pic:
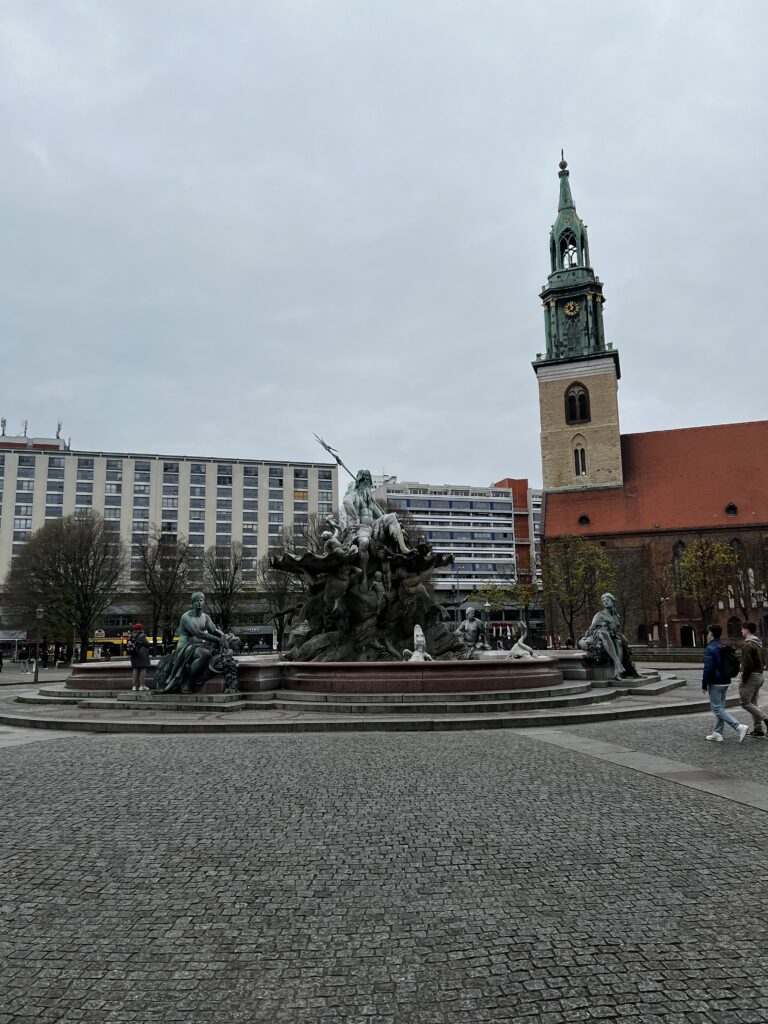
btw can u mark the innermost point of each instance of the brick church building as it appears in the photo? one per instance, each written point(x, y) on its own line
point(641, 497)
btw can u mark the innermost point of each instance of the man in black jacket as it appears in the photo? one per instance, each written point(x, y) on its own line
point(716, 685)
point(138, 649)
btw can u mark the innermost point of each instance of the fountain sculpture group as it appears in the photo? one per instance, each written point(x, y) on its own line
point(368, 589)
point(368, 598)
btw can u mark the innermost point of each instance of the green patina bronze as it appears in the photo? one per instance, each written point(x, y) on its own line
point(573, 296)
point(367, 588)
point(202, 651)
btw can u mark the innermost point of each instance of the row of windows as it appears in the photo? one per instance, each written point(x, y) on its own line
point(84, 464)
point(439, 535)
point(114, 486)
point(479, 567)
point(449, 503)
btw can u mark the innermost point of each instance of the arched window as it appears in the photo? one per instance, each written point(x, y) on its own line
point(579, 460)
point(553, 255)
point(734, 627)
point(687, 636)
point(569, 256)
point(577, 404)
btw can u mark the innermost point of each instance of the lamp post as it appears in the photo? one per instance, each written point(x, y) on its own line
point(487, 607)
point(664, 601)
point(39, 612)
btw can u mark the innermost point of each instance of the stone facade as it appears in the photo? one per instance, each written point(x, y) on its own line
point(598, 436)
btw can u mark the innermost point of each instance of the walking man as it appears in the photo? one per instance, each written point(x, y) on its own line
point(716, 683)
point(752, 665)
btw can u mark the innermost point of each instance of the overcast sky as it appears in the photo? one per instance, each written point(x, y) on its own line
point(228, 224)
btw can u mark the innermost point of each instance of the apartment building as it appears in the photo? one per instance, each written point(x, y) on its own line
point(210, 501)
point(490, 531)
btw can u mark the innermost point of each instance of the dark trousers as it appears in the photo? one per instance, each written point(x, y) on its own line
point(749, 690)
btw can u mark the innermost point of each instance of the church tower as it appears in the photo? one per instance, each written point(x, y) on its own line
point(578, 375)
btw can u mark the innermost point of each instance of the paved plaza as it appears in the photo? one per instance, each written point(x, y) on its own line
point(610, 872)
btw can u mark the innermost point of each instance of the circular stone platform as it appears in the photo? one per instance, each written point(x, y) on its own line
point(420, 676)
point(374, 677)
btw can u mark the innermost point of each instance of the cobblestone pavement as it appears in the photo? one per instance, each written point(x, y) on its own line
point(683, 738)
point(373, 879)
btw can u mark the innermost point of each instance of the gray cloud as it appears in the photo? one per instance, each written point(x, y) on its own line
point(225, 226)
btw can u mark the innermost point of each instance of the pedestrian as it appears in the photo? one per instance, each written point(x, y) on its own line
point(138, 650)
point(1, 659)
point(715, 683)
point(752, 666)
point(24, 660)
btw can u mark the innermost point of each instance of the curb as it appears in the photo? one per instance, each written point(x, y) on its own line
point(466, 722)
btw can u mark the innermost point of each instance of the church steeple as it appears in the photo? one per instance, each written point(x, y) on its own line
point(573, 296)
point(566, 199)
point(578, 374)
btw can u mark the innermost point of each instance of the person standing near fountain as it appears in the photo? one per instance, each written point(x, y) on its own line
point(138, 650)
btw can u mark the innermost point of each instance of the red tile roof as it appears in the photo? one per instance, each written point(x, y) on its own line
point(674, 480)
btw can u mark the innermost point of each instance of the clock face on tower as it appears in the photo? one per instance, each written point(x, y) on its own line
point(572, 308)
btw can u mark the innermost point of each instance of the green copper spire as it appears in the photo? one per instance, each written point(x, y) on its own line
point(573, 296)
point(566, 199)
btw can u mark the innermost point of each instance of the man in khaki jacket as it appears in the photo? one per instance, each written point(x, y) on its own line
point(752, 666)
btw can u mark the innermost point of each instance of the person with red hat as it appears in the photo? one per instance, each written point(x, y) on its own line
point(138, 650)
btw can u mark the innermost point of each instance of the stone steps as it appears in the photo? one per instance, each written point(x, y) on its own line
point(62, 695)
point(566, 689)
point(656, 686)
point(443, 706)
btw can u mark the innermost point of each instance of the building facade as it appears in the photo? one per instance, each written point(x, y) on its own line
point(208, 501)
point(641, 497)
point(490, 531)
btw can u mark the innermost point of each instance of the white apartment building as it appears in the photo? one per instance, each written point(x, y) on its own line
point(210, 501)
point(488, 530)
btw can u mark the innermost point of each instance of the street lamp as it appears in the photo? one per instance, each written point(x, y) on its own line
point(39, 612)
point(487, 607)
point(664, 601)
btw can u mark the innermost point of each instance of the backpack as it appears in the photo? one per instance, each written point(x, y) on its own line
point(730, 665)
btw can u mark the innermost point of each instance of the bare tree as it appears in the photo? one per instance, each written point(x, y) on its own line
point(282, 592)
point(659, 585)
point(574, 572)
point(748, 582)
point(628, 586)
point(224, 581)
point(164, 575)
point(71, 568)
point(707, 567)
point(309, 536)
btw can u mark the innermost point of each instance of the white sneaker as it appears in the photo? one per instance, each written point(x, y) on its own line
point(134, 687)
point(714, 736)
point(144, 688)
point(743, 730)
